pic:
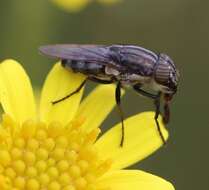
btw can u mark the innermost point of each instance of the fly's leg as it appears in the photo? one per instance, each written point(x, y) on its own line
point(156, 98)
point(81, 86)
point(71, 94)
point(101, 81)
point(157, 112)
point(138, 89)
point(118, 102)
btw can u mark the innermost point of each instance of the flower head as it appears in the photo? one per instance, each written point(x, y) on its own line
point(56, 147)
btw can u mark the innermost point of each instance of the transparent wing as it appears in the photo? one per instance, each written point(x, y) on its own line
point(88, 53)
point(124, 58)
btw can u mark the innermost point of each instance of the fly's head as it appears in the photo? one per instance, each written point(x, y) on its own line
point(167, 76)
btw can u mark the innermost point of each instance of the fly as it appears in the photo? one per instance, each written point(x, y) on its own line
point(125, 65)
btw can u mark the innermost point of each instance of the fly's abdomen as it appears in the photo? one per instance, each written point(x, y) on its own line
point(84, 67)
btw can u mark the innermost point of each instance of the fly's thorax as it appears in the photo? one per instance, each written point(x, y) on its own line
point(165, 74)
point(111, 71)
point(127, 79)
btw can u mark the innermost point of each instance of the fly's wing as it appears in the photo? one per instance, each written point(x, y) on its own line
point(86, 53)
point(124, 58)
point(136, 59)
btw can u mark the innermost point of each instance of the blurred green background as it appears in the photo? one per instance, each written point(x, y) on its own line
point(179, 28)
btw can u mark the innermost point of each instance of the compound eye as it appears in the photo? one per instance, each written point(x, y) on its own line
point(173, 78)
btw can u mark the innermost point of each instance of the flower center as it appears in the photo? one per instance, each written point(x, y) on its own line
point(36, 156)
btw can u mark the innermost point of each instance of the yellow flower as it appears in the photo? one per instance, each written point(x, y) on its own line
point(77, 5)
point(56, 147)
point(72, 5)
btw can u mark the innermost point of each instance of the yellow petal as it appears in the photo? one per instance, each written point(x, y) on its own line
point(16, 94)
point(59, 83)
point(72, 5)
point(134, 180)
point(97, 106)
point(141, 139)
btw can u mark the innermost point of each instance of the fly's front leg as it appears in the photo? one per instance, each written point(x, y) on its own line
point(118, 102)
point(138, 89)
point(157, 112)
point(72, 93)
point(156, 98)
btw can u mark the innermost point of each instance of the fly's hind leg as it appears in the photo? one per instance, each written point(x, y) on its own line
point(101, 81)
point(71, 94)
point(81, 86)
